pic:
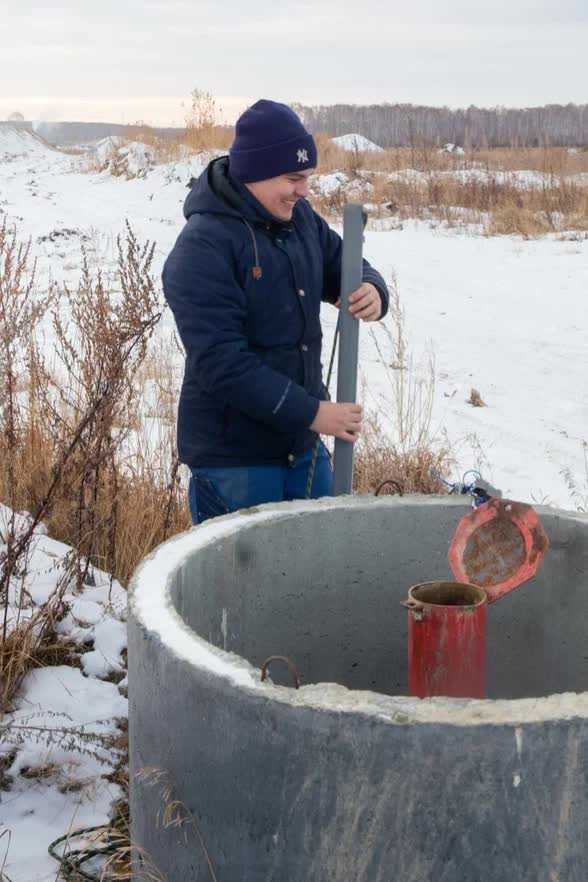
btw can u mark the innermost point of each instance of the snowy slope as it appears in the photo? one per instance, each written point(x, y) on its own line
point(17, 143)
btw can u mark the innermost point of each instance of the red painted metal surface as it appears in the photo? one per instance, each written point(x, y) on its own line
point(446, 640)
point(498, 546)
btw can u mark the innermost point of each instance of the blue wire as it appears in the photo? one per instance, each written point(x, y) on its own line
point(464, 488)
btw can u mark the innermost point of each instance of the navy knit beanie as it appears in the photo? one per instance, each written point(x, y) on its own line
point(270, 140)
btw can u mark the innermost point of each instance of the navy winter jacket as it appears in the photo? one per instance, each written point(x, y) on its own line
point(245, 290)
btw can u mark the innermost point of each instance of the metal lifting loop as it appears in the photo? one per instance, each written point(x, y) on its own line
point(292, 667)
point(396, 484)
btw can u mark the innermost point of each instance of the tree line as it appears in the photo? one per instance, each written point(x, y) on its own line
point(404, 125)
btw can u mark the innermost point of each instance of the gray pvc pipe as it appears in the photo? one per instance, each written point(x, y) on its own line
point(351, 275)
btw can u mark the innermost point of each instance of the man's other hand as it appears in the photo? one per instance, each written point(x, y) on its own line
point(343, 420)
point(365, 303)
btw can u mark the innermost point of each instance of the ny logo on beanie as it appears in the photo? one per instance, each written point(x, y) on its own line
point(302, 156)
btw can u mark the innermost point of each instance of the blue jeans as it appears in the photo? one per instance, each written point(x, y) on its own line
point(221, 489)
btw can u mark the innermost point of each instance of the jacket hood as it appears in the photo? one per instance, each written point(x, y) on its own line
point(215, 192)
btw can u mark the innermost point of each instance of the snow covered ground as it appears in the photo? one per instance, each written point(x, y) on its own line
point(55, 748)
point(503, 315)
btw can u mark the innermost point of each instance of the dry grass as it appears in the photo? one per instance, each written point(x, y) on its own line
point(379, 459)
point(202, 129)
point(175, 815)
point(28, 643)
point(71, 446)
point(115, 843)
point(408, 456)
point(165, 148)
point(476, 399)
point(478, 187)
point(498, 204)
point(70, 450)
point(557, 162)
point(191, 140)
point(5, 835)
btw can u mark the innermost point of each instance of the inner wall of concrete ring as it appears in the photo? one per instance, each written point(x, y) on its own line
point(277, 791)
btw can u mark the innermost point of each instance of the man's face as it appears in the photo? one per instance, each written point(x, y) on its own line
point(280, 195)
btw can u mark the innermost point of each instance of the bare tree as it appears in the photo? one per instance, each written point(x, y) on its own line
point(405, 125)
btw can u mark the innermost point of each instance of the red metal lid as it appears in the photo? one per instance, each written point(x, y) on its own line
point(498, 546)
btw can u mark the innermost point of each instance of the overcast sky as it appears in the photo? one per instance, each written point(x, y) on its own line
point(124, 60)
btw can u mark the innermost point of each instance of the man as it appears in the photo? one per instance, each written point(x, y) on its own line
point(245, 281)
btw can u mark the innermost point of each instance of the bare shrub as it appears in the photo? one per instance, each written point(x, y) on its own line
point(408, 454)
point(414, 470)
point(476, 399)
point(203, 131)
point(21, 311)
point(70, 445)
point(78, 415)
point(100, 345)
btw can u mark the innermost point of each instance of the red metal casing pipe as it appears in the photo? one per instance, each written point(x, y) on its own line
point(447, 640)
